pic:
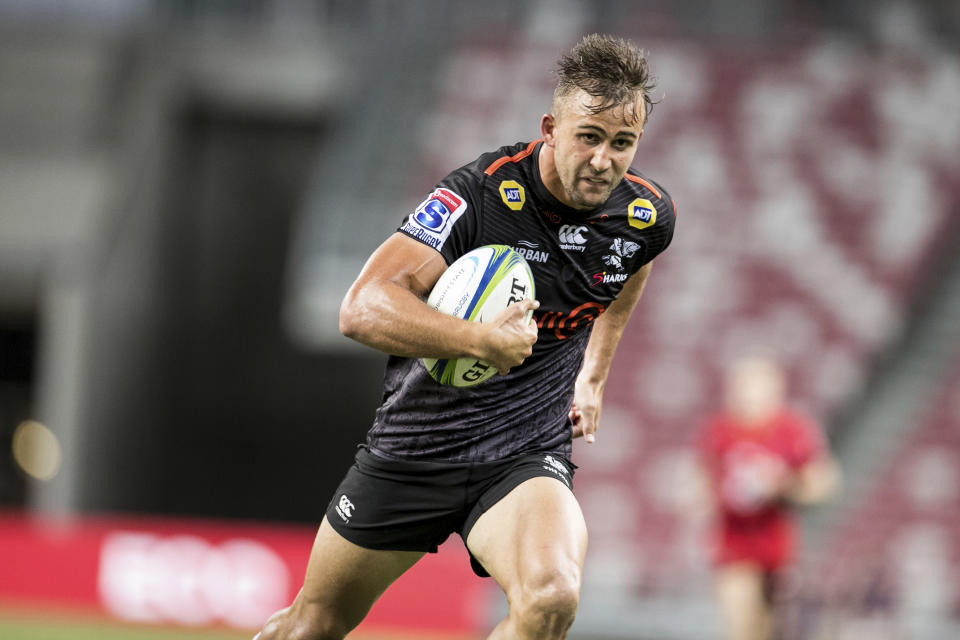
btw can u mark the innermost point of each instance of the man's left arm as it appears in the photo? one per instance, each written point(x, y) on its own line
point(607, 329)
point(814, 482)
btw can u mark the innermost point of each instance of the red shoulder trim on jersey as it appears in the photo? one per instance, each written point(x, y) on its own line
point(639, 180)
point(517, 157)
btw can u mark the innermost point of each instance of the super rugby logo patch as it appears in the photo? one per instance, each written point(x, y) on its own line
point(433, 219)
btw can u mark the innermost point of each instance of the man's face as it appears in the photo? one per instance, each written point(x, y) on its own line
point(755, 389)
point(591, 151)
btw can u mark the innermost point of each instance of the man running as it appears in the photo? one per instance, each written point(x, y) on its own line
point(492, 462)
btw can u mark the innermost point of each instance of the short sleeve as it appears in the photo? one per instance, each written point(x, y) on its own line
point(670, 219)
point(807, 442)
point(447, 219)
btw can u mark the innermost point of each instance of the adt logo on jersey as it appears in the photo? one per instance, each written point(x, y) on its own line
point(641, 213)
point(512, 194)
point(435, 210)
point(572, 238)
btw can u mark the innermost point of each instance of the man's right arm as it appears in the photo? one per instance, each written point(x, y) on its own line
point(385, 309)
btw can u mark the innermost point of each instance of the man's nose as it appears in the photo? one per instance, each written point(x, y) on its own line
point(600, 161)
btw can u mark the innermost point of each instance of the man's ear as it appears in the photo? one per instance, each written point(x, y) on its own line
point(548, 129)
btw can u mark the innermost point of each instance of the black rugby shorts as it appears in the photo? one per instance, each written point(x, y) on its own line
point(407, 505)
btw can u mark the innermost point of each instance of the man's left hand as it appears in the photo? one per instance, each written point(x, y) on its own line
point(585, 411)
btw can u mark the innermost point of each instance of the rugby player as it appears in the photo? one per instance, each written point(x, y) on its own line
point(761, 459)
point(492, 462)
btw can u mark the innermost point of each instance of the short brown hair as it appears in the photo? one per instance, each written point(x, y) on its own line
point(608, 68)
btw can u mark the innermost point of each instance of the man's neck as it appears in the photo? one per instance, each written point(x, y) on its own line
point(549, 175)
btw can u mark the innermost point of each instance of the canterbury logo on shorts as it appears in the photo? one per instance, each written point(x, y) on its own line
point(345, 508)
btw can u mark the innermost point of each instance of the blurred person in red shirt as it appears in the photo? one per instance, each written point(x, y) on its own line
point(761, 459)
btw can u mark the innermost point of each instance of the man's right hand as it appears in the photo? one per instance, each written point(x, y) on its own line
point(509, 336)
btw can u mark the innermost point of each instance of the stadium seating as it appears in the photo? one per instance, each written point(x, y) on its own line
point(905, 535)
point(810, 209)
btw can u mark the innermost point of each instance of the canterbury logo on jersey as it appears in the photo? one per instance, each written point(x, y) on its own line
point(572, 237)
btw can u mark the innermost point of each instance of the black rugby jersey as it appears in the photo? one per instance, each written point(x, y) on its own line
point(579, 259)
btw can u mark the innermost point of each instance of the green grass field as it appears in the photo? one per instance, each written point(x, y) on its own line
point(35, 626)
point(16, 627)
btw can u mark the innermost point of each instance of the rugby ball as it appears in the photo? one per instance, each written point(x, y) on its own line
point(476, 287)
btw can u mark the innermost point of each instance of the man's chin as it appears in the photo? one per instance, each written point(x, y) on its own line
point(583, 200)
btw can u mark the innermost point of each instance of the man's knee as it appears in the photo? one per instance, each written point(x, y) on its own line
point(289, 624)
point(548, 603)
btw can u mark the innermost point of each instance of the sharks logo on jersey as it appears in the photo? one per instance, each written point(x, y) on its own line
point(621, 250)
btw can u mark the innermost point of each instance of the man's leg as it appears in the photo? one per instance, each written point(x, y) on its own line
point(342, 583)
point(746, 612)
point(532, 542)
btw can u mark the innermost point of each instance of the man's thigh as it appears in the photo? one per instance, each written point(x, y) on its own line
point(529, 535)
point(343, 580)
point(740, 591)
point(398, 505)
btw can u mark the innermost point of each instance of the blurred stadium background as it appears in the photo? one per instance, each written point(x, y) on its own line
point(188, 187)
